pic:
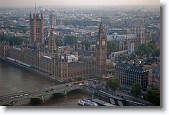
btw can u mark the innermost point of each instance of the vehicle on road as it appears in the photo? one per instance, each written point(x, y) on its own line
point(11, 98)
point(81, 84)
point(20, 95)
point(68, 85)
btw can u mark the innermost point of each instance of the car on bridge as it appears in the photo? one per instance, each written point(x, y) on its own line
point(81, 84)
point(11, 97)
point(68, 85)
point(20, 95)
point(16, 96)
point(78, 82)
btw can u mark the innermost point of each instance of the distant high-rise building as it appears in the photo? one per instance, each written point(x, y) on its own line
point(101, 51)
point(52, 20)
point(36, 28)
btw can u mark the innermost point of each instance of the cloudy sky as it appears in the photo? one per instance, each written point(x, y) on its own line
point(28, 3)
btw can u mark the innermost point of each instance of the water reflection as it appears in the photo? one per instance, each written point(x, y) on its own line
point(14, 79)
point(69, 101)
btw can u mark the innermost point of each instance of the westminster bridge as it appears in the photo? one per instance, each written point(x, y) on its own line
point(38, 95)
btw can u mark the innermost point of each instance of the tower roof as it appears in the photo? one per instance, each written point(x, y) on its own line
point(35, 7)
point(101, 29)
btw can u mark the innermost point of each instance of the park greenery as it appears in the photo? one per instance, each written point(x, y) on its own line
point(99, 78)
point(153, 96)
point(86, 43)
point(113, 83)
point(79, 78)
point(70, 40)
point(123, 57)
point(136, 89)
point(111, 47)
point(58, 41)
point(12, 40)
point(149, 49)
point(82, 23)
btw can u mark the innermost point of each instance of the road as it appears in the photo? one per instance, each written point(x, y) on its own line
point(27, 94)
point(97, 86)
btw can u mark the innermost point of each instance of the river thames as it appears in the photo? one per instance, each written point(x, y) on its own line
point(15, 79)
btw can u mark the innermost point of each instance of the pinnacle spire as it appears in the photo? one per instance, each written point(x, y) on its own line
point(35, 7)
point(101, 29)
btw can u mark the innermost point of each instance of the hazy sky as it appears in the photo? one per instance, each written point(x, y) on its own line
point(28, 3)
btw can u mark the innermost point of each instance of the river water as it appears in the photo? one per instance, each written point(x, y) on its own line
point(15, 79)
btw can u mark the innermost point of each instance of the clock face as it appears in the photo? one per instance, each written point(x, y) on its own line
point(97, 42)
point(103, 43)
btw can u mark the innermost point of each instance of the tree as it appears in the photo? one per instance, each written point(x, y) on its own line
point(136, 89)
point(132, 56)
point(2, 37)
point(153, 96)
point(58, 41)
point(142, 50)
point(82, 23)
point(70, 40)
point(152, 45)
point(12, 39)
point(79, 78)
point(99, 78)
point(86, 43)
point(111, 47)
point(113, 83)
point(156, 52)
point(123, 57)
point(148, 49)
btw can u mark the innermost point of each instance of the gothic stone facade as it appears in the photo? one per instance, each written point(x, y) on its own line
point(55, 64)
point(36, 28)
point(56, 68)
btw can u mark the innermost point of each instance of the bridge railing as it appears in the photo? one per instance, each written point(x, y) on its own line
point(38, 92)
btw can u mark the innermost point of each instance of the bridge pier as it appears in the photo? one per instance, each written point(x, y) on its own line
point(39, 97)
point(65, 93)
point(42, 98)
point(12, 103)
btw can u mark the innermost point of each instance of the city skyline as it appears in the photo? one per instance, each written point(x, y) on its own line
point(71, 46)
point(19, 3)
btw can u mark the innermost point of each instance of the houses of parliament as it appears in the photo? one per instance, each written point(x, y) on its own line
point(52, 61)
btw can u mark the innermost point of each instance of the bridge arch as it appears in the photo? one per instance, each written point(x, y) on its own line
point(36, 100)
point(7, 105)
point(56, 95)
point(80, 90)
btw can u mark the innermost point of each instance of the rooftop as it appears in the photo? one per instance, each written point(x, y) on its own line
point(118, 37)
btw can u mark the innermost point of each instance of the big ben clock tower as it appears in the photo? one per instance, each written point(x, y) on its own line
point(101, 51)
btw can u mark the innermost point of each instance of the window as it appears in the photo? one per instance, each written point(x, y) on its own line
point(37, 30)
